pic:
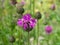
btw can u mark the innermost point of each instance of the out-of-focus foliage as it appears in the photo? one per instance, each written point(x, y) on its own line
point(9, 16)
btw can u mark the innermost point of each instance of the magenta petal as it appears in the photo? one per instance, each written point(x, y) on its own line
point(23, 2)
point(32, 25)
point(48, 29)
point(20, 22)
point(33, 20)
point(27, 17)
point(25, 26)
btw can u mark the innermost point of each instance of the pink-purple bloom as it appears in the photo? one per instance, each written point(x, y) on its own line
point(22, 3)
point(53, 6)
point(13, 2)
point(27, 22)
point(48, 29)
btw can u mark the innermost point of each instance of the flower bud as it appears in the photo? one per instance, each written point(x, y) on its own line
point(20, 10)
point(41, 2)
point(12, 39)
point(48, 29)
point(38, 15)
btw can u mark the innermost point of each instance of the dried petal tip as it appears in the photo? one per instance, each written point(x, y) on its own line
point(48, 29)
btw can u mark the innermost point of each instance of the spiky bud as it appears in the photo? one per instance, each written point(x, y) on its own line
point(38, 15)
point(12, 39)
point(20, 10)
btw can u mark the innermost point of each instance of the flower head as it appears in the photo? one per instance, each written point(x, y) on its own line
point(53, 6)
point(48, 29)
point(20, 4)
point(20, 22)
point(23, 2)
point(13, 2)
point(27, 22)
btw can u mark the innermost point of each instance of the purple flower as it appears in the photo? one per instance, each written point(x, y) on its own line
point(48, 29)
point(25, 26)
point(53, 6)
point(13, 2)
point(27, 17)
point(22, 2)
point(20, 22)
point(27, 22)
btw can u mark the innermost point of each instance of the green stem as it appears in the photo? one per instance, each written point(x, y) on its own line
point(30, 6)
point(11, 43)
point(19, 42)
point(34, 14)
point(48, 40)
point(33, 7)
point(37, 31)
point(19, 38)
point(28, 38)
point(37, 34)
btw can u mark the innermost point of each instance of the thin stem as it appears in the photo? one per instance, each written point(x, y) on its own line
point(33, 7)
point(11, 43)
point(19, 38)
point(48, 40)
point(19, 42)
point(38, 31)
point(37, 34)
point(30, 6)
point(28, 38)
point(34, 14)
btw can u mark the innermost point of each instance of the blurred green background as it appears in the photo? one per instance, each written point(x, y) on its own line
point(9, 28)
